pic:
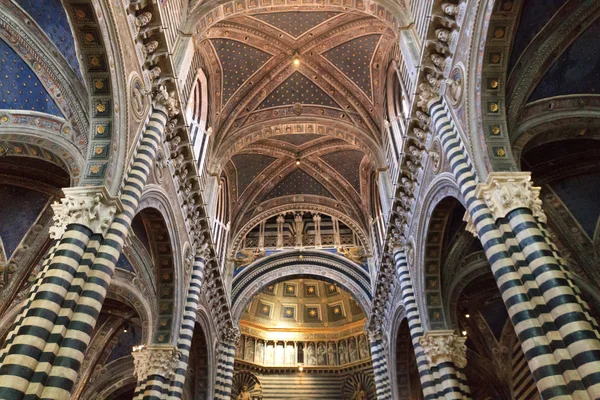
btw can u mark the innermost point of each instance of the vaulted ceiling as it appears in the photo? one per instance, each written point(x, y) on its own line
point(297, 93)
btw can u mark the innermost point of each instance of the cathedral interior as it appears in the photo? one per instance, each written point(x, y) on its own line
point(299, 199)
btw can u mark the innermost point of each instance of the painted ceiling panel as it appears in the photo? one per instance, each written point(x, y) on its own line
point(295, 23)
point(19, 209)
point(239, 62)
point(495, 315)
point(577, 70)
point(20, 88)
point(248, 167)
point(534, 16)
point(347, 163)
point(298, 182)
point(298, 89)
point(50, 15)
point(581, 195)
point(353, 58)
point(298, 139)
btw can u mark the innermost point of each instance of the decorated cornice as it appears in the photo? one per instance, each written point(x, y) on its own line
point(150, 39)
point(433, 82)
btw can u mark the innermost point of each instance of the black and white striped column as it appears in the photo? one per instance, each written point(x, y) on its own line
point(186, 333)
point(549, 378)
point(225, 361)
point(381, 372)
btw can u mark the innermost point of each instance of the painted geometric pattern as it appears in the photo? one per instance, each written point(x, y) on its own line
point(298, 89)
point(347, 163)
point(20, 88)
point(353, 58)
point(298, 182)
point(51, 17)
point(298, 139)
point(295, 23)
point(248, 167)
point(239, 62)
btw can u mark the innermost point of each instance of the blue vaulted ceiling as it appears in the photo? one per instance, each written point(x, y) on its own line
point(50, 15)
point(298, 182)
point(20, 88)
point(298, 89)
point(576, 71)
point(296, 23)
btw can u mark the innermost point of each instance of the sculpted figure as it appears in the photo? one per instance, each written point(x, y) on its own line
point(343, 353)
point(449, 9)
point(321, 354)
point(443, 35)
point(352, 350)
point(244, 394)
point(359, 394)
point(363, 347)
point(142, 20)
point(331, 354)
point(150, 48)
point(249, 350)
point(310, 354)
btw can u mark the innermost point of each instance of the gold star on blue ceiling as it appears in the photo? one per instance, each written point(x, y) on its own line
point(20, 88)
point(239, 62)
point(353, 58)
point(297, 23)
point(298, 89)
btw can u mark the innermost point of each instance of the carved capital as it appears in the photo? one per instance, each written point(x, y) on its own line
point(93, 207)
point(444, 346)
point(160, 360)
point(506, 191)
point(231, 335)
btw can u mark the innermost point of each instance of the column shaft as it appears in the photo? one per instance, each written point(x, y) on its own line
point(568, 315)
point(540, 358)
point(32, 292)
point(380, 367)
point(225, 361)
point(186, 333)
point(429, 384)
point(78, 335)
point(28, 344)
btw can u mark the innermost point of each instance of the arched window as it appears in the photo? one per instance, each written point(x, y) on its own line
point(396, 110)
point(197, 117)
point(220, 227)
point(377, 223)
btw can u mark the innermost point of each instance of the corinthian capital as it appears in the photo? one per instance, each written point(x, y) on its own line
point(506, 191)
point(231, 335)
point(444, 346)
point(93, 207)
point(160, 360)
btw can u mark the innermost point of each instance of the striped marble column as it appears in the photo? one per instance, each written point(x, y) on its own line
point(27, 345)
point(511, 196)
point(77, 337)
point(549, 378)
point(380, 364)
point(186, 332)
point(431, 391)
point(446, 352)
point(32, 292)
point(224, 366)
point(154, 367)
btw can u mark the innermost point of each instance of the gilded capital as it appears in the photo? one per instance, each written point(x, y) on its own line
point(506, 191)
point(93, 207)
point(160, 360)
point(444, 346)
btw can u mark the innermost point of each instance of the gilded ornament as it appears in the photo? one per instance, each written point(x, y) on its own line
point(101, 107)
point(100, 129)
point(95, 169)
point(495, 130)
point(494, 107)
point(4, 118)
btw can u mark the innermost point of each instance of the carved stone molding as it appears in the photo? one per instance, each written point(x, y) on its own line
point(444, 346)
point(506, 191)
point(93, 207)
point(155, 360)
